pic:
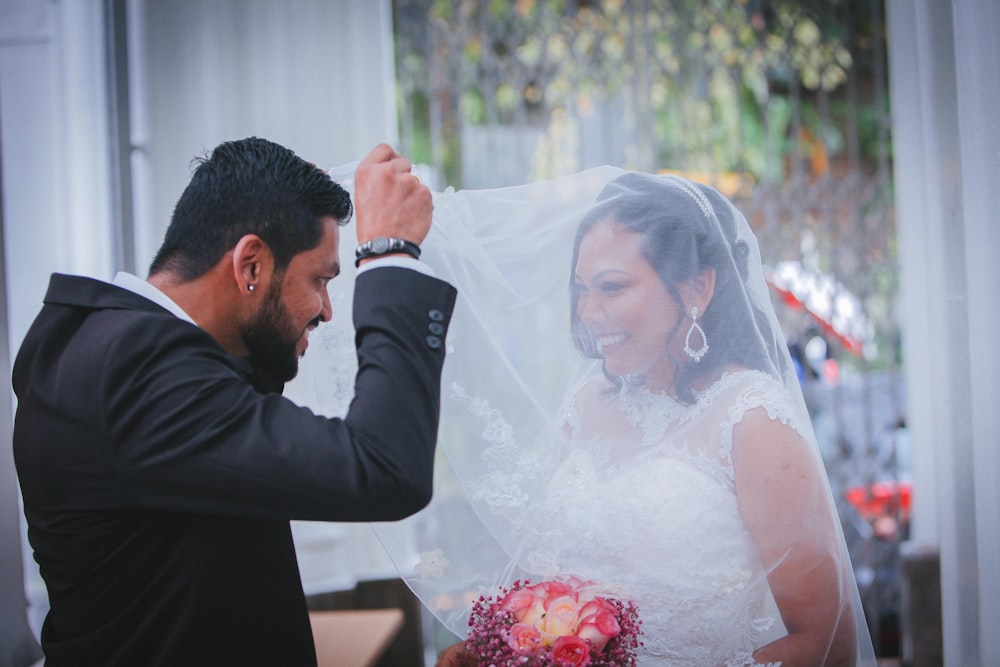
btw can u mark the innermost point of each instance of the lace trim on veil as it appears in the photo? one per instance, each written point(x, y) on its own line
point(509, 466)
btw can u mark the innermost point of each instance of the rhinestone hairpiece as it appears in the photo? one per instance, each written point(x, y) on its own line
point(697, 195)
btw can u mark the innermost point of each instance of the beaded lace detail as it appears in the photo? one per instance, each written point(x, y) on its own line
point(652, 414)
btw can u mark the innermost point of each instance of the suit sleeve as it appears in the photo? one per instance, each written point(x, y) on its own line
point(189, 433)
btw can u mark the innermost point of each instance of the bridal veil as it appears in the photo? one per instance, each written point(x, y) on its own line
point(702, 498)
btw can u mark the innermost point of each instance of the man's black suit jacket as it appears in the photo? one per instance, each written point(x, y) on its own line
point(159, 476)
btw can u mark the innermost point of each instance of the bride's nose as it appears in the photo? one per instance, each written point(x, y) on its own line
point(589, 309)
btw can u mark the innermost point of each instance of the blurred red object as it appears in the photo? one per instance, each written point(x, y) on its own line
point(838, 311)
point(880, 499)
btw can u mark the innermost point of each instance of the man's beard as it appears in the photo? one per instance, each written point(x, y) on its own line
point(271, 337)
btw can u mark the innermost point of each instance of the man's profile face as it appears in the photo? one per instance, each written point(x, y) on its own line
point(294, 303)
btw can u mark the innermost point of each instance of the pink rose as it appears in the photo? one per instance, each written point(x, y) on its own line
point(524, 605)
point(557, 589)
point(571, 651)
point(517, 600)
point(598, 628)
point(597, 604)
point(524, 637)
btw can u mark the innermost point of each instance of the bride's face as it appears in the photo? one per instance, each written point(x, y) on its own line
point(624, 304)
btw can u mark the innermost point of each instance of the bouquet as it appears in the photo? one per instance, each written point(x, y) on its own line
point(553, 623)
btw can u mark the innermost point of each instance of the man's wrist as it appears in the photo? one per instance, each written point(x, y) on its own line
point(383, 245)
point(399, 261)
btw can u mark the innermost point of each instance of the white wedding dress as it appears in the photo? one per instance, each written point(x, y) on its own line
point(656, 516)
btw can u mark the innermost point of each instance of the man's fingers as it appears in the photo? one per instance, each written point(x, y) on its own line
point(390, 199)
point(401, 164)
point(381, 153)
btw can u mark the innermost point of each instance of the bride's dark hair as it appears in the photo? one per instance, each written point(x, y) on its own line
point(680, 239)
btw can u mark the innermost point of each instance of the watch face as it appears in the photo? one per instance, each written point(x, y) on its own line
point(380, 245)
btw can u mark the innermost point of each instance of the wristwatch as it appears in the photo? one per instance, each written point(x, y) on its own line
point(383, 245)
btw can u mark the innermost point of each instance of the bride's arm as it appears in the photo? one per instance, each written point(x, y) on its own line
point(784, 500)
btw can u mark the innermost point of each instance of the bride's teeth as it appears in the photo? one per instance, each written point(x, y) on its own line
point(611, 339)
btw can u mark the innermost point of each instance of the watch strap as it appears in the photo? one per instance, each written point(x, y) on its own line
point(385, 245)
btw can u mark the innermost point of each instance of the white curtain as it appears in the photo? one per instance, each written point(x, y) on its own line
point(55, 184)
point(945, 94)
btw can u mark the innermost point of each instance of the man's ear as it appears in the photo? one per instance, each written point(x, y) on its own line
point(252, 261)
point(698, 291)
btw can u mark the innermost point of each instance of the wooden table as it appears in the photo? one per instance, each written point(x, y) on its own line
point(354, 638)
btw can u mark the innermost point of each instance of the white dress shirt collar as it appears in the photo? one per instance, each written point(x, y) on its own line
point(146, 290)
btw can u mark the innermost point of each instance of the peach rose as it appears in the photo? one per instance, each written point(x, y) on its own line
point(524, 637)
point(561, 616)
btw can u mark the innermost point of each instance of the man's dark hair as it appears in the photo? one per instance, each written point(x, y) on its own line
point(250, 186)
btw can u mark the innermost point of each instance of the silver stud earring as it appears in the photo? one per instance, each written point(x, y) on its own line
point(696, 355)
point(250, 288)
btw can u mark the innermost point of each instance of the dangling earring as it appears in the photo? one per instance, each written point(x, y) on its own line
point(696, 355)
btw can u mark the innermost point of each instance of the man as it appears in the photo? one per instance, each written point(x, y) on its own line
point(159, 463)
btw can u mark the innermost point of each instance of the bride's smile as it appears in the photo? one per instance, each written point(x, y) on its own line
point(607, 343)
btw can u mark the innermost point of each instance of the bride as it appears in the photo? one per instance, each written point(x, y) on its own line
point(619, 405)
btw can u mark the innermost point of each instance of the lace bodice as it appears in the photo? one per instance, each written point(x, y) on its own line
point(656, 517)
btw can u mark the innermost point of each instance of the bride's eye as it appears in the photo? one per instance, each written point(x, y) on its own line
point(610, 287)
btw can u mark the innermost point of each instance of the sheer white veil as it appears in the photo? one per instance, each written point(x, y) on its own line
point(518, 360)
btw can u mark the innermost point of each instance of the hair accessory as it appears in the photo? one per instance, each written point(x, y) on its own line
point(696, 355)
point(383, 246)
point(696, 194)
